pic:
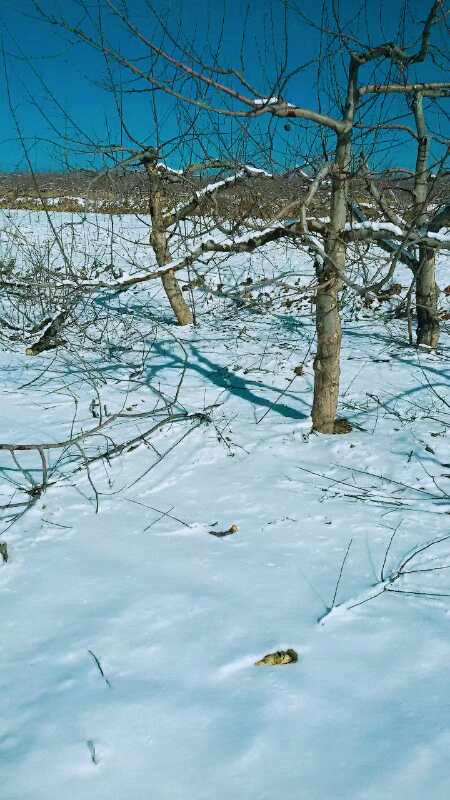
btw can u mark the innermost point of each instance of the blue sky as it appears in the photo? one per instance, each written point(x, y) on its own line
point(49, 71)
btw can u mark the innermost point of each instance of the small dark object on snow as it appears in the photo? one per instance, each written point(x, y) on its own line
point(91, 747)
point(220, 534)
point(342, 426)
point(35, 491)
point(4, 551)
point(289, 656)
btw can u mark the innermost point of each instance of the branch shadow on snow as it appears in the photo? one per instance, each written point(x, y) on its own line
point(235, 384)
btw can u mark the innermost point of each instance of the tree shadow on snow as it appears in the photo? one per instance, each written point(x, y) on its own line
point(235, 384)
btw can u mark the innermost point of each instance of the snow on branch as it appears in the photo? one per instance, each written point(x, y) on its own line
point(386, 227)
point(162, 167)
point(265, 101)
point(370, 230)
point(181, 211)
point(391, 246)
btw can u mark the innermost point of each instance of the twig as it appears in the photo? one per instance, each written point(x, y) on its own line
point(159, 511)
point(100, 669)
point(366, 600)
point(387, 550)
point(340, 573)
point(91, 747)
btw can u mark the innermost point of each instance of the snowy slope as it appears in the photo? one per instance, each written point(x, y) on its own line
point(176, 617)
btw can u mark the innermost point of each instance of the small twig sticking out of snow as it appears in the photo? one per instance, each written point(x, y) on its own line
point(386, 584)
point(91, 747)
point(387, 550)
point(4, 552)
point(159, 511)
point(329, 609)
point(88, 473)
point(418, 550)
point(369, 597)
point(100, 668)
point(340, 573)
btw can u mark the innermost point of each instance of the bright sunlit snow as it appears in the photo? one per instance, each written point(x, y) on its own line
point(129, 636)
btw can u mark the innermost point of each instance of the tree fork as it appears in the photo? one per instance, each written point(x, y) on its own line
point(158, 239)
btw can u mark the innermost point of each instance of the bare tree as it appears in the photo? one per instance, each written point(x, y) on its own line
point(425, 273)
point(423, 217)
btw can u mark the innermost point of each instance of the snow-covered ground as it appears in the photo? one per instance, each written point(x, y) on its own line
point(129, 636)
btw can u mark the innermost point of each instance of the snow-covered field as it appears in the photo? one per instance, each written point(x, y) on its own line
point(129, 636)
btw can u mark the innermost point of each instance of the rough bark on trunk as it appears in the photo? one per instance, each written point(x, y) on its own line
point(328, 322)
point(158, 239)
point(427, 299)
point(175, 297)
point(425, 275)
point(326, 362)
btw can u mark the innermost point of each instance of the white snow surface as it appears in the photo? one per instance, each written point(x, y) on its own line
point(177, 617)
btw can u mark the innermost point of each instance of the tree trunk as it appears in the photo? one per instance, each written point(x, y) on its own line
point(328, 333)
point(427, 300)
point(175, 297)
point(158, 239)
point(328, 322)
point(425, 275)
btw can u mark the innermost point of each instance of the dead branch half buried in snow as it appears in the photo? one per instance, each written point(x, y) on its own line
point(105, 441)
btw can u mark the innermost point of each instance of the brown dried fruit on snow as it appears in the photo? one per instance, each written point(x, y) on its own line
point(289, 656)
point(220, 534)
